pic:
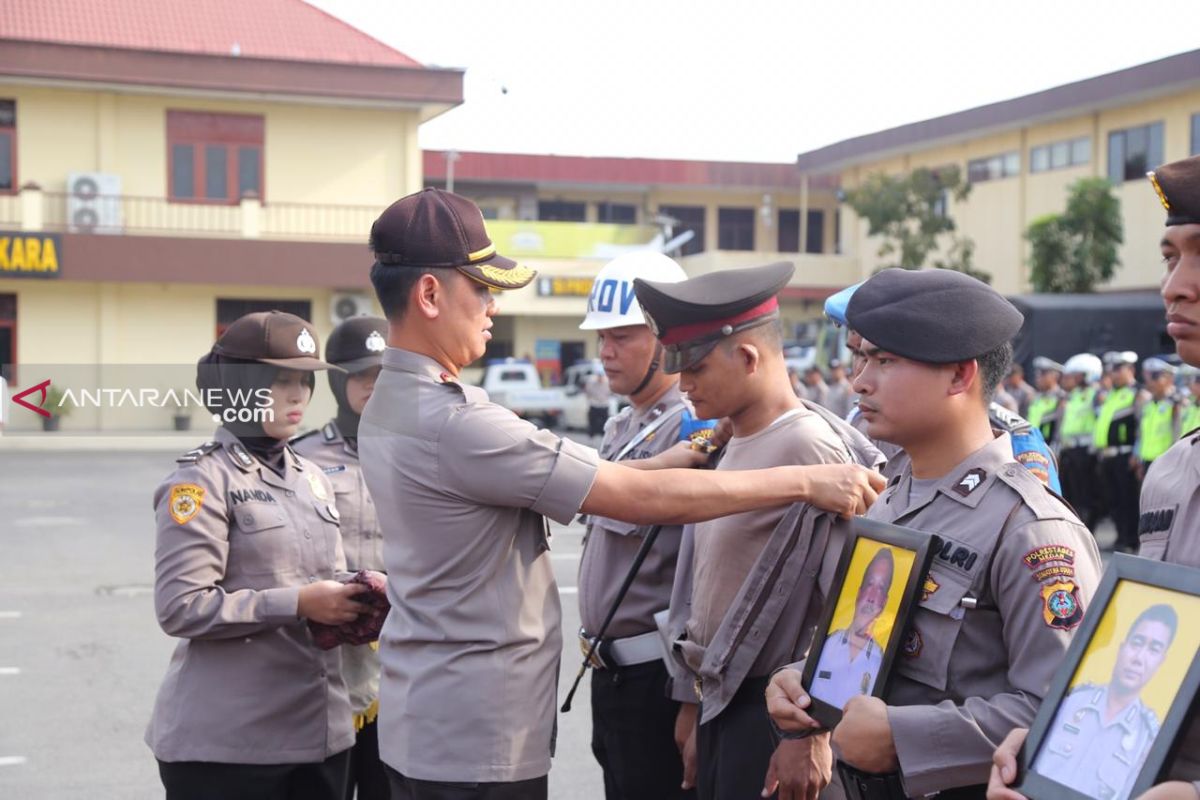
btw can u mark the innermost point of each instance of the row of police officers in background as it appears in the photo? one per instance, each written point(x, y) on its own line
point(696, 585)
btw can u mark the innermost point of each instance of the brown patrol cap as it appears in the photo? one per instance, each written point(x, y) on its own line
point(1178, 187)
point(272, 337)
point(357, 344)
point(436, 229)
point(690, 317)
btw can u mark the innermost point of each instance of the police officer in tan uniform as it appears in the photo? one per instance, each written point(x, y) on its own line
point(1009, 586)
point(356, 347)
point(1169, 518)
point(470, 649)
point(248, 549)
point(722, 334)
point(633, 718)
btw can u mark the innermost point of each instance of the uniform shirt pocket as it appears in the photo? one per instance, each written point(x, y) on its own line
point(929, 641)
point(262, 541)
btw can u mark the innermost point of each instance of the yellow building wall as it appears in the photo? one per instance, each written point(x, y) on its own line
point(165, 327)
point(312, 154)
point(998, 212)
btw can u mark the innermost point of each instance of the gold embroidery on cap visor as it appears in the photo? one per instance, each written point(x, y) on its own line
point(516, 277)
point(1162, 198)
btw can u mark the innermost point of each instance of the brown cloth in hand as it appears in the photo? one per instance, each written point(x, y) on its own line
point(365, 628)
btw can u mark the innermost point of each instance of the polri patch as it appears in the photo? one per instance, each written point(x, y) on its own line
point(185, 502)
point(1062, 608)
point(970, 482)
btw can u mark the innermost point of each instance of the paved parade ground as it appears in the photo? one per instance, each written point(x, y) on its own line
point(81, 655)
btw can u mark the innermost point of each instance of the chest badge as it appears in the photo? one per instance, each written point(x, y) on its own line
point(318, 488)
point(185, 502)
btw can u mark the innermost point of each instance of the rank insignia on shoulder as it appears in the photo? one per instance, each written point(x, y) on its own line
point(197, 453)
point(185, 502)
point(1062, 608)
point(970, 482)
point(241, 456)
point(329, 432)
point(318, 488)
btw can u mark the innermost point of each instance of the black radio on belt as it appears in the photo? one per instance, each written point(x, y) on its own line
point(861, 785)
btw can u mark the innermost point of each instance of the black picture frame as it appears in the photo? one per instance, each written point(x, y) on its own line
point(1122, 568)
point(922, 545)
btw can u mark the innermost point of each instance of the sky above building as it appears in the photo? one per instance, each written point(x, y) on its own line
point(757, 80)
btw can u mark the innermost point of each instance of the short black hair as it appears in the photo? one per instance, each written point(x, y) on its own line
point(1161, 613)
point(394, 285)
point(993, 366)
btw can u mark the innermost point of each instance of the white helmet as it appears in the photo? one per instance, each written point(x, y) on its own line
point(1084, 364)
point(612, 303)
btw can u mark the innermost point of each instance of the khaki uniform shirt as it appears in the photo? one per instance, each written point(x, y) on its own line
point(1170, 531)
point(235, 543)
point(1101, 759)
point(611, 545)
point(362, 541)
point(968, 676)
point(471, 647)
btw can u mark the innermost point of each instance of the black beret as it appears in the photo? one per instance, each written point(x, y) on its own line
point(690, 317)
point(937, 316)
point(1178, 188)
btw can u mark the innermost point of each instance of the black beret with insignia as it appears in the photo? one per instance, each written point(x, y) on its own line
point(937, 316)
point(357, 344)
point(1178, 187)
point(690, 317)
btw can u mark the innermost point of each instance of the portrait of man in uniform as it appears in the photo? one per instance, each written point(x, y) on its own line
point(1102, 733)
point(852, 655)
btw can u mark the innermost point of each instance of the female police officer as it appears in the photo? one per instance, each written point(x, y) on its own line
point(247, 549)
point(355, 346)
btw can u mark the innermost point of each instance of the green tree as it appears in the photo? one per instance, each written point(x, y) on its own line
point(1076, 250)
point(909, 212)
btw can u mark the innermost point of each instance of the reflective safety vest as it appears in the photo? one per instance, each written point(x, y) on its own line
point(1044, 413)
point(1079, 418)
point(1190, 419)
point(1115, 426)
point(1156, 430)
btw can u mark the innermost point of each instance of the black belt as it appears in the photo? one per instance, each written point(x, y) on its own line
point(860, 785)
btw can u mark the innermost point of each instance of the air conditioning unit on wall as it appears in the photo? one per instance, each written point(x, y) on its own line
point(345, 305)
point(93, 202)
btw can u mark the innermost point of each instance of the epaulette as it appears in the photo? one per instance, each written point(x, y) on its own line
point(1039, 498)
point(195, 454)
point(302, 436)
point(329, 432)
point(1007, 420)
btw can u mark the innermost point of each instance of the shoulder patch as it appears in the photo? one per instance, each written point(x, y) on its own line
point(185, 502)
point(197, 453)
point(1062, 608)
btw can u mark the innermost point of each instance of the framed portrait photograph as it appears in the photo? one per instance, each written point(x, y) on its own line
point(876, 587)
point(1112, 716)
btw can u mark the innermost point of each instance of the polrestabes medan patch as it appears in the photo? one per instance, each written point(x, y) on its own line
point(1160, 519)
point(1048, 554)
point(970, 482)
point(247, 495)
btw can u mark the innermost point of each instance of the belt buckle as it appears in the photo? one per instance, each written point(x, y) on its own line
point(585, 645)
